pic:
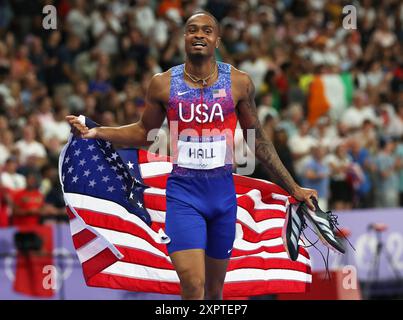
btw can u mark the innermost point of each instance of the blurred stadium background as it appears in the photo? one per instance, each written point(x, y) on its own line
point(330, 97)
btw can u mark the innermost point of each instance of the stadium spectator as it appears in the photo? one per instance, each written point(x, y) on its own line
point(100, 85)
point(362, 157)
point(28, 146)
point(316, 175)
point(57, 128)
point(20, 64)
point(292, 118)
point(28, 203)
point(325, 133)
point(341, 189)
point(10, 178)
point(300, 145)
point(356, 114)
point(387, 191)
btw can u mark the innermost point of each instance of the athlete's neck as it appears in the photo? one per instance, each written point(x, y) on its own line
point(200, 68)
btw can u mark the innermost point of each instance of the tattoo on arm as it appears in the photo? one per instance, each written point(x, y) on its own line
point(264, 148)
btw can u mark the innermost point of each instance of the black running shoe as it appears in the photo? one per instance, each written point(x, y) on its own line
point(294, 224)
point(324, 224)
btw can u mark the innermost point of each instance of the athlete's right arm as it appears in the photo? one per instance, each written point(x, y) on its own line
point(133, 135)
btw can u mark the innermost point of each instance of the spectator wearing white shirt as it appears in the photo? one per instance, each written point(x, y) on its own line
point(58, 128)
point(355, 115)
point(300, 145)
point(9, 177)
point(28, 146)
point(383, 36)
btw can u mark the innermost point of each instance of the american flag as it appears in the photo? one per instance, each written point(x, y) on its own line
point(219, 93)
point(115, 200)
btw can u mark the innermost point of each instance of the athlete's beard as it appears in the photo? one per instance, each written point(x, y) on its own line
point(198, 58)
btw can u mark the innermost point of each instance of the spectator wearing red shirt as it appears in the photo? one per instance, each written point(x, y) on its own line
point(28, 203)
point(5, 202)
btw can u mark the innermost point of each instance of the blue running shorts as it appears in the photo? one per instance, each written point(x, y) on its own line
point(201, 214)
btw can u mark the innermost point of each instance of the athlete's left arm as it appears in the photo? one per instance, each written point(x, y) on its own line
point(264, 148)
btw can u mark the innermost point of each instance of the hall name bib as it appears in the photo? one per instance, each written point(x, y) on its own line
point(201, 152)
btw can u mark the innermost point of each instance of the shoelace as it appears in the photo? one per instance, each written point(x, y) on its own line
point(325, 260)
point(304, 225)
point(334, 225)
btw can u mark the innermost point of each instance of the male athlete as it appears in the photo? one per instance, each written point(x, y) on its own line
point(202, 99)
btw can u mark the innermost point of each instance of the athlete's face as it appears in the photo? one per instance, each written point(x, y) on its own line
point(201, 36)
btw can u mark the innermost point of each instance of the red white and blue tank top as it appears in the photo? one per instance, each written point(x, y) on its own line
point(202, 124)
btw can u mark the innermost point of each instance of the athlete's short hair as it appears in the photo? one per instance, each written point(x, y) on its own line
point(217, 24)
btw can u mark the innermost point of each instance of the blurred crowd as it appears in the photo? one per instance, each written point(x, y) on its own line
point(330, 97)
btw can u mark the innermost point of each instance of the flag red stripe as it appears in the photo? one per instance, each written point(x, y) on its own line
point(82, 238)
point(156, 181)
point(145, 258)
point(155, 226)
point(70, 214)
point(252, 236)
point(154, 202)
point(265, 214)
point(98, 263)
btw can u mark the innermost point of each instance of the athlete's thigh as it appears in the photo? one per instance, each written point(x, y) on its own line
point(189, 265)
point(215, 271)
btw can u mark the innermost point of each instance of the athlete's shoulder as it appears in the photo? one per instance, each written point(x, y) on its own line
point(159, 81)
point(158, 88)
point(242, 83)
point(239, 76)
point(161, 77)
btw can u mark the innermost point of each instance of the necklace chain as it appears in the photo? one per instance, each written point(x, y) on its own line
point(196, 79)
